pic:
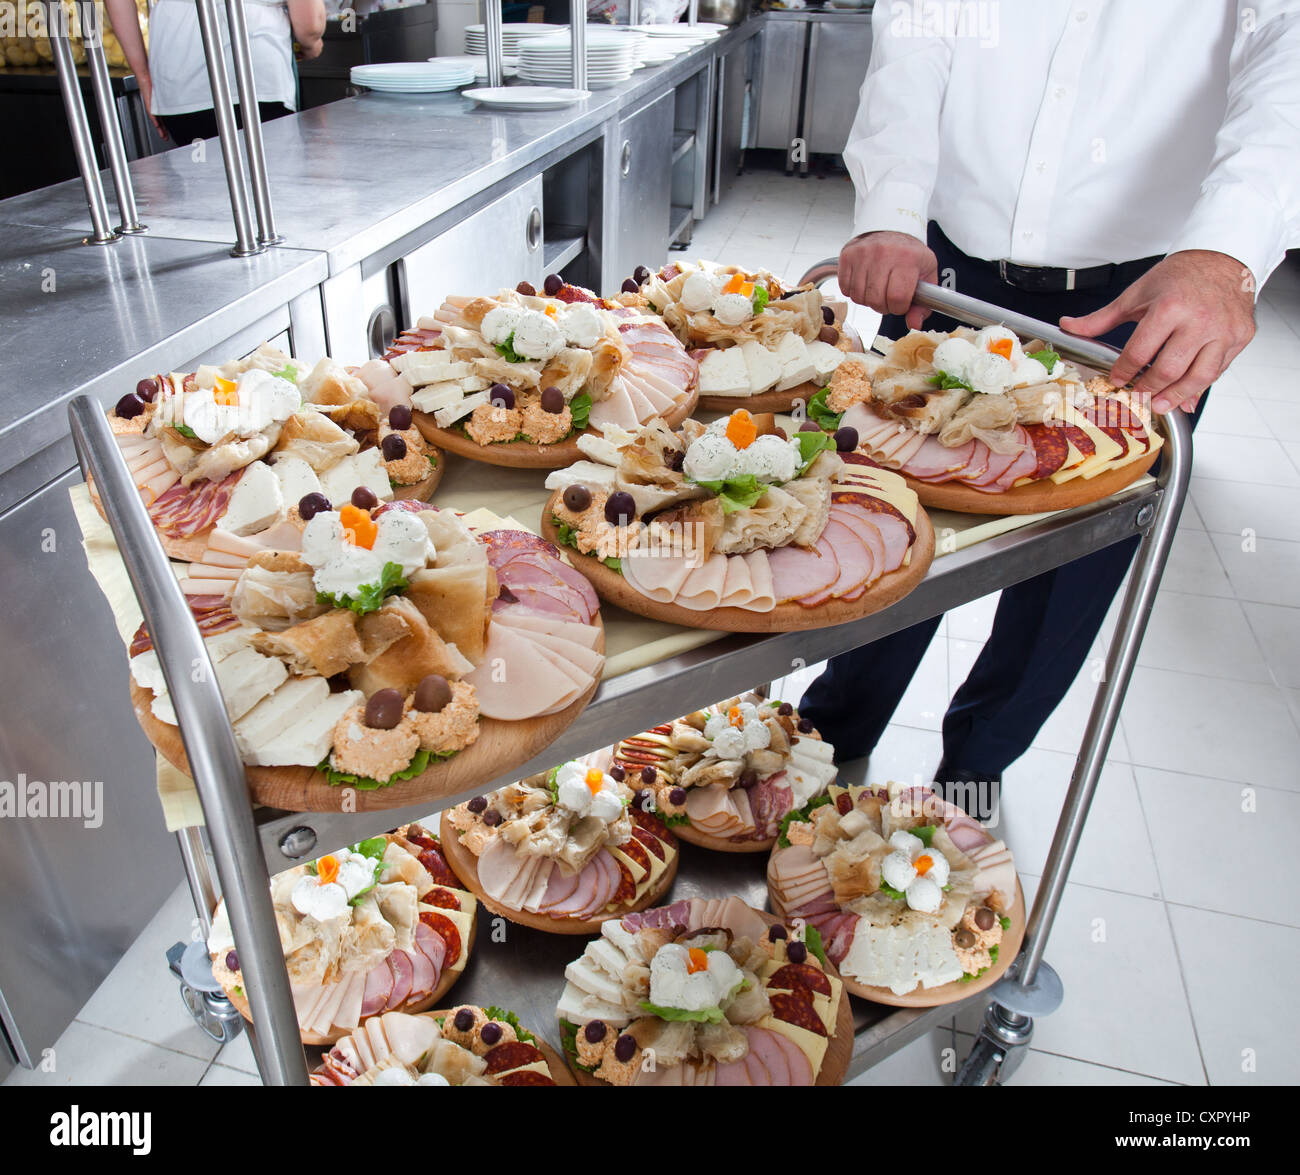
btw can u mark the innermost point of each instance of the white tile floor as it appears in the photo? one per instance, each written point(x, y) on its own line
point(1178, 938)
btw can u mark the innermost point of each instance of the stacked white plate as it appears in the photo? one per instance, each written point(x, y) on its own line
point(612, 55)
point(413, 77)
point(526, 97)
point(479, 65)
point(512, 35)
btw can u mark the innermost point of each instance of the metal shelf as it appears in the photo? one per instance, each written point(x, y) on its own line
point(561, 248)
point(680, 219)
point(683, 142)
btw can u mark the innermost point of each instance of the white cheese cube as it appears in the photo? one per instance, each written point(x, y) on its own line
point(825, 359)
point(361, 469)
point(724, 373)
point(307, 741)
point(445, 417)
point(601, 449)
point(297, 479)
point(274, 714)
point(436, 396)
point(587, 473)
point(796, 365)
point(427, 367)
point(246, 677)
point(257, 501)
point(763, 367)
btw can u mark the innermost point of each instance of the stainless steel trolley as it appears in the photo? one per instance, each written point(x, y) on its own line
point(524, 968)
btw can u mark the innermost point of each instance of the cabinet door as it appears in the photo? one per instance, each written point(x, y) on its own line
point(729, 121)
point(778, 84)
point(496, 247)
point(643, 163)
point(837, 62)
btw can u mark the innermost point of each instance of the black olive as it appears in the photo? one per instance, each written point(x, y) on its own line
point(552, 401)
point(309, 505)
point(640, 274)
point(846, 439)
point(629, 286)
point(399, 417)
point(393, 447)
point(620, 509)
point(384, 709)
point(129, 406)
point(501, 396)
point(577, 498)
point(553, 284)
point(364, 498)
point(527, 289)
point(828, 316)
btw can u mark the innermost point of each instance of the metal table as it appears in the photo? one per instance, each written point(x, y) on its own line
point(524, 968)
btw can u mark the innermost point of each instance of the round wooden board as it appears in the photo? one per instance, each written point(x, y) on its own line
point(839, 1048)
point(956, 991)
point(525, 454)
point(789, 617)
point(445, 984)
point(777, 401)
point(465, 865)
point(719, 844)
point(1036, 498)
point(191, 550)
point(500, 746)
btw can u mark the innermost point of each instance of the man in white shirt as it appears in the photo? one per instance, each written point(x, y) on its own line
point(1097, 162)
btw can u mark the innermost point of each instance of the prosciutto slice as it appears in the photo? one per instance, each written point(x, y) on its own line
point(184, 511)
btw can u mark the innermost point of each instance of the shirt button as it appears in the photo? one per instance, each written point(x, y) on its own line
point(1028, 234)
point(1058, 93)
point(1080, 16)
point(1040, 166)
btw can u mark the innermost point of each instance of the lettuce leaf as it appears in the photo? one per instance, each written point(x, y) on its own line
point(812, 939)
point(675, 821)
point(289, 371)
point(736, 493)
point(890, 892)
point(924, 833)
point(365, 783)
point(569, 1042)
point(801, 815)
point(1047, 357)
point(811, 445)
point(186, 431)
point(370, 596)
point(820, 414)
point(703, 1016)
point(508, 1017)
point(760, 298)
point(507, 350)
point(580, 410)
point(1006, 922)
point(943, 380)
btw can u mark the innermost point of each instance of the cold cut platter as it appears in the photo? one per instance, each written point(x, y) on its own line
point(978, 424)
point(917, 903)
point(739, 527)
point(726, 778)
point(379, 657)
point(760, 344)
point(465, 1045)
point(235, 447)
point(380, 927)
point(704, 992)
point(563, 851)
point(522, 379)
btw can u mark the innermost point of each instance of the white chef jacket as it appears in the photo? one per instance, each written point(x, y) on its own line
point(179, 69)
point(1081, 132)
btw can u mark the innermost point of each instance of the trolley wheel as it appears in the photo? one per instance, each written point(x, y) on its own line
point(214, 1014)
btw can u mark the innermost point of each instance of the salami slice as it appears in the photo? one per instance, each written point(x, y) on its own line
point(444, 898)
point(651, 842)
point(443, 926)
point(844, 803)
point(1080, 439)
point(634, 849)
point(527, 1077)
point(793, 1009)
point(626, 890)
point(182, 511)
point(1051, 446)
point(211, 613)
point(652, 824)
point(439, 870)
point(795, 975)
point(514, 1054)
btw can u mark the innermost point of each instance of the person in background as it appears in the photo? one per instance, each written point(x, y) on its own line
point(1131, 170)
point(173, 77)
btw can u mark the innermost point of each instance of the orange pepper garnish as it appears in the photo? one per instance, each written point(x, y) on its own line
point(549, 311)
point(593, 779)
point(224, 392)
point(734, 283)
point(697, 960)
point(327, 869)
point(741, 429)
point(735, 717)
point(1001, 347)
point(924, 863)
point(358, 528)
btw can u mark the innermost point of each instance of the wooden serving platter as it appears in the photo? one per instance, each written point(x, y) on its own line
point(525, 454)
point(720, 844)
point(465, 865)
point(956, 991)
point(1036, 498)
point(191, 550)
point(445, 984)
point(500, 746)
point(779, 401)
point(839, 1047)
point(788, 617)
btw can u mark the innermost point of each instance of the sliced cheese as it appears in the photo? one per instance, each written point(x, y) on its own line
point(724, 373)
point(297, 479)
point(445, 417)
point(763, 367)
point(797, 366)
point(256, 503)
point(435, 397)
point(825, 359)
point(360, 469)
point(586, 473)
point(464, 920)
point(810, 1044)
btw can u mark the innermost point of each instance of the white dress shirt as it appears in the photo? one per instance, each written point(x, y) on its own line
point(1080, 132)
point(179, 69)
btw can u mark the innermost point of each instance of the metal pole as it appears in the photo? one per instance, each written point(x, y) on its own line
point(245, 245)
point(244, 82)
point(198, 875)
point(83, 145)
point(633, 13)
point(578, 33)
point(209, 746)
point(693, 12)
point(495, 46)
point(93, 39)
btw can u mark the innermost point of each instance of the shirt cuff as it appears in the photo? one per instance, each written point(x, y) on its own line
point(892, 207)
point(1234, 219)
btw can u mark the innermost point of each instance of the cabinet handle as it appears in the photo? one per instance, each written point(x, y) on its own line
point(533, 230)
point(381, 330)
point(625, 158)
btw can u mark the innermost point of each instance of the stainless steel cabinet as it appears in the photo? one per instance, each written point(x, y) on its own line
point(643, 154)
point(733, 74)
point(838, 53)
point(498, 246)
point(778, 85)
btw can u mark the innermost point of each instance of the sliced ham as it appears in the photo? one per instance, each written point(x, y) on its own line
point(586, 635)
point(763, 1043)
point(658, 577)
point(519, 576)
point(755, 1070)
point(801, 571)
point(853, 557)
point(703, 588)
point(423, 975)
point(799, 1068)
point(498, 868)
point(616, 408)
point(400, 965)
point(760, 582)
point(1023, 466)
point(936, 462)
point(433, 946)
point(560, 886)
point(379, 985)
point(733, 1073)
point(512, 682)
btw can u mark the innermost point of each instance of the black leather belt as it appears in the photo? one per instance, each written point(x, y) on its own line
point(1048, 279)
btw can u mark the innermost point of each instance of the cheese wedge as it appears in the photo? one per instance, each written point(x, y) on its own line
point(587, 473)
point(797, 366)
point(445, 417)
point(724, 373)
point(825, 359)
point(256, 503)
point(762, 366)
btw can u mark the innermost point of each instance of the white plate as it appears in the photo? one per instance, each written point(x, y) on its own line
point(526, 97)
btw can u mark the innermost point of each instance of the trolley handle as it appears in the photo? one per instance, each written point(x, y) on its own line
point(210, 747)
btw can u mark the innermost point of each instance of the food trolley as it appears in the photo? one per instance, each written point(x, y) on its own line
point(526, 966)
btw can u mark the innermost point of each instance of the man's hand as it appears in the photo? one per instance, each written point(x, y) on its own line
point(881, 270)
point(1195, 312)
point(146, 96)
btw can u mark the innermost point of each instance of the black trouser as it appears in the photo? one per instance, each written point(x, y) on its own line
point(183, 129)
point(1044, 627)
